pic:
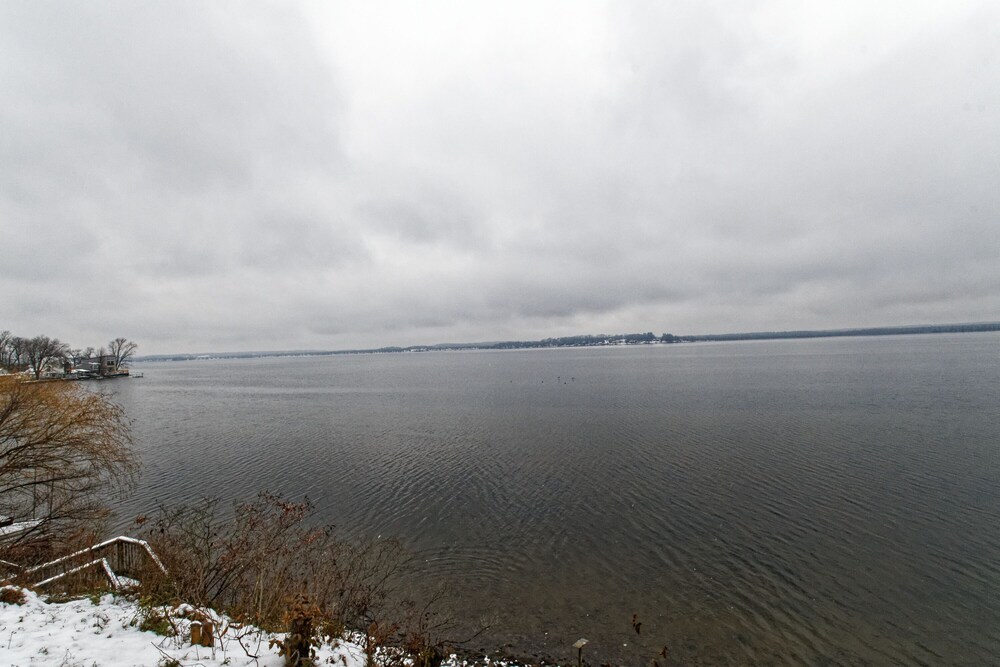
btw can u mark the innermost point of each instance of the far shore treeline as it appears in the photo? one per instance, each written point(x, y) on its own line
point(594, 340)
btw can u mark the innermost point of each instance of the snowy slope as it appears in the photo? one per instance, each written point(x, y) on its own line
point(84, 634)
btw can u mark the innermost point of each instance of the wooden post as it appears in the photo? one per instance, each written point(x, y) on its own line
point(207, 633)
point(580, 643)
point(195, 633)
point(202, 632)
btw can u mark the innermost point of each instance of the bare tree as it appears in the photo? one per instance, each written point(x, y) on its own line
point(7, 356)
point(63, 450)
point(77, 355)
point(122, 350)
point(39, 351)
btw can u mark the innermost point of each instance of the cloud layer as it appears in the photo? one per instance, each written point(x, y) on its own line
point(233, 176)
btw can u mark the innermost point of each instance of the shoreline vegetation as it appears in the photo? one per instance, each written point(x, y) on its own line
point(602, 340)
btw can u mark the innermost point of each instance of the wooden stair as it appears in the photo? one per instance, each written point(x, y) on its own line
point(120, 560)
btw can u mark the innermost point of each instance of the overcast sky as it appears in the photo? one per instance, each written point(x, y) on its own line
point(250, 176)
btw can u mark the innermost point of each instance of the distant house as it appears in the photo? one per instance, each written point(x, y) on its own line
point(53, 371)
point(99, 365)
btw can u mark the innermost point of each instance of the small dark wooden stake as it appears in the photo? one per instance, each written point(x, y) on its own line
point(580, 643)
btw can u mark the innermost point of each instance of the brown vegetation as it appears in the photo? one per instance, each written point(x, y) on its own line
point(252, 565)
point(63, 450)
point(269, 566)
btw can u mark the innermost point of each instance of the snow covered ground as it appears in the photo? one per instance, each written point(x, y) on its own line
point(105, 633)
point(83, 633)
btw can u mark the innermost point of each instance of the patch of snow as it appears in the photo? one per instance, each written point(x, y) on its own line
point(18, 527)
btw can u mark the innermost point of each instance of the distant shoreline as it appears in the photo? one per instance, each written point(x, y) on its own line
point(976, 327)
point(602, 340)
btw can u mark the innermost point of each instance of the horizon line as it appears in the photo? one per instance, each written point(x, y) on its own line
point(967, 327)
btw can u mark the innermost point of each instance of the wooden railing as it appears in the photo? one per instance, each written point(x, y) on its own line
point(120, 560)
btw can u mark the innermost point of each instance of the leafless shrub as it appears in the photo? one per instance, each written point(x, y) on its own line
point(270, 566)
point(253, 565)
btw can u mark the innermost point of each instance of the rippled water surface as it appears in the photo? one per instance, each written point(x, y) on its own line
point(829, 501)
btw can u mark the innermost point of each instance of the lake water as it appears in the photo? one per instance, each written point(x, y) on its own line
point(825, 501)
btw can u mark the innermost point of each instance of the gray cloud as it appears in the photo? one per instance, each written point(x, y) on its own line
point(258, 176)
